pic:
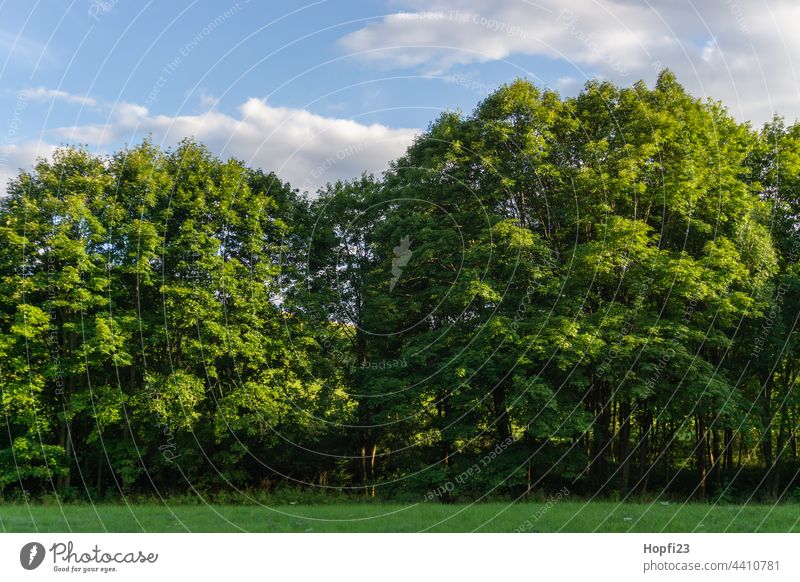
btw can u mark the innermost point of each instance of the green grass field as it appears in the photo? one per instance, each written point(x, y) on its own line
point(565, 516)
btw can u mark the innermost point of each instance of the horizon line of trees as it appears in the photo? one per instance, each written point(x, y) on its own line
point(598, 292)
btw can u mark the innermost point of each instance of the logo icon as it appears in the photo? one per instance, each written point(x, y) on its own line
point(402, 254)
point(31, 555)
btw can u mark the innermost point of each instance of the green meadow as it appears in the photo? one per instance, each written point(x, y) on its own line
point(524, 517)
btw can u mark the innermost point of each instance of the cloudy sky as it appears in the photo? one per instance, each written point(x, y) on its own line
point(325, 90)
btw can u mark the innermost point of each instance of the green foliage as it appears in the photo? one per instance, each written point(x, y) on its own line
point(598, 291)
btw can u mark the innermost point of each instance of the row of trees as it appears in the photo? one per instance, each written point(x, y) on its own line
point(599, 292)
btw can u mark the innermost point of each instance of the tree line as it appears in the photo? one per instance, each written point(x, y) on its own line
point(598, 293)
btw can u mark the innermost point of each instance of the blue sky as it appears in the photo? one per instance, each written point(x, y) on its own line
point(323, 90)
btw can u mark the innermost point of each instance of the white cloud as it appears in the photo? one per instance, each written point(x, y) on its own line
point(302, 147)
point(20, 156)
point(22, 50)
point(710, 51)
point(567, 84)
point(445, 33)
point(207, 100)
point(736, 51)
point(45, 94)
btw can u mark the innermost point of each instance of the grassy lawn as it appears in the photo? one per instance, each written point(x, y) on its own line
point(564, 516)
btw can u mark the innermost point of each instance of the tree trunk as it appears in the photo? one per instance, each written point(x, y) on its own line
point(624, 444)
point(372, 467)
point(501, 413)
point(644, 453)
point(364, 467)
point(727, 455)
point(602, 436)
point(99, 485)
point(716, 460)
point(775, 485)
point(766, 437)
point(701, 454)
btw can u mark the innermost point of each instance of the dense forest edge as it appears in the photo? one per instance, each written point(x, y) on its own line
point(594, 296)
